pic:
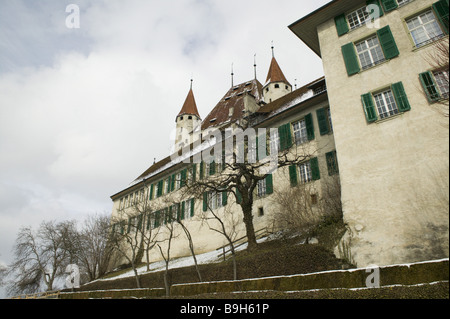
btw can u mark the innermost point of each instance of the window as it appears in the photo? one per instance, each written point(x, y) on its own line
point(314, 199)
point(305, 172)
point(435, 85)
point(187, 209)
point(216, 200)
point(385, 104)
point(324, 120)
point(329, 119)
point(261, 188)
point(402, 2)
point(277, 86)
point(369, 52)
point(260, 211)
point(357, 18)
point(300, 132)
point(441, 78)
point(332, 163)
point(424, 28)
point(178, 180)
point(274, 141)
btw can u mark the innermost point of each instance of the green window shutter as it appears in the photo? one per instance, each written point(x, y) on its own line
point(377, 3)
point(224, 198)
point(151, 192)
point(202, 173)
point(389, 5)
point(269, 184)
point(350, 58)
point(332, 164)
point(139, 223)
point(129, 225)
point(157, 217)
point(181, 211)
point(322, 119)
point(429, 86)
point(387, 43)
point(147, 223)
point(309, 127)
point(441, 10)
point(315, 172)
point(194, 173)
point(183, 177)
point(293, 175)
point(223, 159)
point(284, 131)
point(238, 196)
point(205, 201)
point(172, 182)
point(160, 188)
point(212, 168)
point(400, 97)
point(341, 24)
point(192, 207)
point(369, 107)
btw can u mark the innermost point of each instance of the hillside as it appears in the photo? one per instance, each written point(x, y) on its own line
point(275, 257)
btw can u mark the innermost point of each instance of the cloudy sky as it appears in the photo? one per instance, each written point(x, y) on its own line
point(84, 111)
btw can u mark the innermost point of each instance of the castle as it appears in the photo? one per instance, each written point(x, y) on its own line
point(370, 123)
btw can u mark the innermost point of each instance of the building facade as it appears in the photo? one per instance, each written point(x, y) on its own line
point(391, 140)
point(159, 199)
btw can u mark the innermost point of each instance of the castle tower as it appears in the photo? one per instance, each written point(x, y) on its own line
point(188, 121)
point(276, 84)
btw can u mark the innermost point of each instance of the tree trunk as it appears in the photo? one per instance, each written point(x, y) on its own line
point(250, 229)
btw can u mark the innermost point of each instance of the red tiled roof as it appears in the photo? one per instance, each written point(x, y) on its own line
point(234, 99)
point(189, 106)
point(275, 74)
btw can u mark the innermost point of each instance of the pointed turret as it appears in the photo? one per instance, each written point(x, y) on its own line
point(188, 120)
point(189, 106)
point(276, 84)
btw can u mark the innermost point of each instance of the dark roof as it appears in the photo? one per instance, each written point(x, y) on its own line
point(233, 99)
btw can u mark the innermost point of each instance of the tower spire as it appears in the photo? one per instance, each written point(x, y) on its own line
point(254, 64)
point(232, 75)
point(273, 52)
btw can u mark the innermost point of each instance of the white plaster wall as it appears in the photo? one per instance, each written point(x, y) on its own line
point(394, 173)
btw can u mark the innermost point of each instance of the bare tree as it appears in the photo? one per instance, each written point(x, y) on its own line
point(241, 178)
point(126, 238)
point(39, 256)
point(168, 224)
point(226, 225)
point(303, 207)
point(92, 247)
